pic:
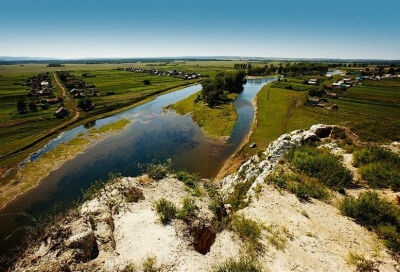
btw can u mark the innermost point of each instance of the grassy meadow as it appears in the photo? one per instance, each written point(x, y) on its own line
point(216, 122)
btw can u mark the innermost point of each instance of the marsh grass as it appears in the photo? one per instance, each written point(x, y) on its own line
point(111, 127)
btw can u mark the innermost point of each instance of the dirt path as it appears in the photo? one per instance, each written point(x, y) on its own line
point(70, 104)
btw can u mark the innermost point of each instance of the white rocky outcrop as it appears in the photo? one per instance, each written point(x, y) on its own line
point(120, 226)
point(257, 169)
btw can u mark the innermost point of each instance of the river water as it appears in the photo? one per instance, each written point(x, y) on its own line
point(152, 134)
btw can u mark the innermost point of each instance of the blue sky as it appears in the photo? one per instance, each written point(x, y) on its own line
point(154, 28)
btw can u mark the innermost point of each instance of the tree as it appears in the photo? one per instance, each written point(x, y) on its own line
point(85, 104)
point(21, 107)
point(32, 106)
point(146, 82)
point(215, 90)
point(45, 106)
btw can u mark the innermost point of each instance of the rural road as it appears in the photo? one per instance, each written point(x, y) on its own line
point(69, 100)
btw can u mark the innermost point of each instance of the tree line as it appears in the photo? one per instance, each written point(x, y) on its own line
point(290, 69)
point(215, 90)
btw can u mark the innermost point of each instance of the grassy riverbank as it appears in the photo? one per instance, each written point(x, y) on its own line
point(216, 122)
point(371, 110)
point(29, 175)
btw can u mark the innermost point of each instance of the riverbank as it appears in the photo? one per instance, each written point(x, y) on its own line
point(239, 156)
point(33, 172)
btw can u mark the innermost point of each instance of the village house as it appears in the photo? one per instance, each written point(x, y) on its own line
point(332, 95)
point(52, 101)
point(313, 81)
point(61, 112)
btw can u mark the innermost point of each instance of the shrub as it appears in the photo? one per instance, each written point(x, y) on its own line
point(321, 165)
point(22, 107)
point(157, 171)
point(243, 264)
point(309, 188)
point(130, 268)
point(147, 82)
point(166, 210)
point(188, 208)
point(191, 182)
point(371, 154)
point(371, 211)
point(249, 231)
point(379, 167)
point(85, 104)
point(149, 263)
point(381, 175)
point(362, 264)
point(32, 106)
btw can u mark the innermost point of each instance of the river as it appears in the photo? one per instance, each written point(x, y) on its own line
point(153, 134)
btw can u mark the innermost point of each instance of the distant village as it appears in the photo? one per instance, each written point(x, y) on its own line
point(41, 95)
point(332, 90)
point(174, 73)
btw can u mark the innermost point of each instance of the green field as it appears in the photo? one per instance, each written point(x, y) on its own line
point(371, 110)
point(216, 122)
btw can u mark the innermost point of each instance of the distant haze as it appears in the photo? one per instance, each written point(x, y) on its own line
point(124, 29)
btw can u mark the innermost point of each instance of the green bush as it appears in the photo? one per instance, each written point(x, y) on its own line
point(249, 231)
point(371, 154)
point(309, 188)
point(381, 175)
point(243, 264)
point(371, 211)
point(379, 167)
point(166, 210)
point(157, 171)
point(190, 181)
point(322, 165)
point(188, 208)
